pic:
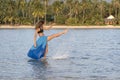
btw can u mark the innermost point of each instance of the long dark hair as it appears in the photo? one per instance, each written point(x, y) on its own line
point(39, 25)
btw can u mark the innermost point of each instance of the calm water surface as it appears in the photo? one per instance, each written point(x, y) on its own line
point(81, 54)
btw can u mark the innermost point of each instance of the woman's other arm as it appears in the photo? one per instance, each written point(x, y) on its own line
point(35, 36)
point(48, 27)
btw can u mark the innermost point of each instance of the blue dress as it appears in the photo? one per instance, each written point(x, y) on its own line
point(38, 51)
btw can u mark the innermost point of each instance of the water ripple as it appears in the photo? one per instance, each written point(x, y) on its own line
point(81, 54)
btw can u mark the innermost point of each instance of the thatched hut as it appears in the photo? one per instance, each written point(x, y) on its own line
point(110, 20)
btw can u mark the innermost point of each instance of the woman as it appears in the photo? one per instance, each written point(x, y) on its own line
point(40, 47)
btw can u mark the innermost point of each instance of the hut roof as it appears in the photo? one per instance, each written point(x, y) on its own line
point(111, 17)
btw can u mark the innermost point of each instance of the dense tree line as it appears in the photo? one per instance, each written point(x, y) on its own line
point(69, 12)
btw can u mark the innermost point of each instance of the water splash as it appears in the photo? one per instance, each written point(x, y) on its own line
point(63, 56)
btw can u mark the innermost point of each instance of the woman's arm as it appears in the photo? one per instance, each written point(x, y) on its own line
point(48, 27)
point(35, 36)
point(56, 35)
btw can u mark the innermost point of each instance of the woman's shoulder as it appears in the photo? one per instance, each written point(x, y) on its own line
point(44, 36)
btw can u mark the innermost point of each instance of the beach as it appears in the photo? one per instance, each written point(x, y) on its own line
point(58, 26)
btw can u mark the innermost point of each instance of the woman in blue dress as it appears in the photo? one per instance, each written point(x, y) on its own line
point(40, 48)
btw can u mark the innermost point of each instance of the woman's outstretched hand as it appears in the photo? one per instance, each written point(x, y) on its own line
point(49, 27)
point(65, 31)
point(52, 24)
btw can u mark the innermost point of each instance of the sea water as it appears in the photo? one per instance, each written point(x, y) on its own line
point(81, 54)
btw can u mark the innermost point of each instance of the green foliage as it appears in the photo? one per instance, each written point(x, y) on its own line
point(71, 21)
point(70, 12)
point(25, 21)
point(60, 19)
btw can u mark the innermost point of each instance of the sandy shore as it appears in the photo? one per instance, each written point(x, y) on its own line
point(25, 26)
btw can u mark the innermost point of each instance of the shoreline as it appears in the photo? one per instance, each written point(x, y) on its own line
point(57, 27)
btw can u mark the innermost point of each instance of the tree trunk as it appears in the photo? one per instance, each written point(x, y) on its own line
point(83, 17)
point(34, 20)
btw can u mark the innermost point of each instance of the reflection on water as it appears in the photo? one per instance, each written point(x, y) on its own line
point(39, 68)
point(81, 54)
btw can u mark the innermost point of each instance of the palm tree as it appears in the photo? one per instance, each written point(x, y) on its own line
point(46, 4)
point(116, 5)
point(76, 10)
point(1, 10)
point(38, 10)
point(10, 11)
point(57, 7)
point(101, 8)
point(69, 4)
point(22, 6)
point(84, 6)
